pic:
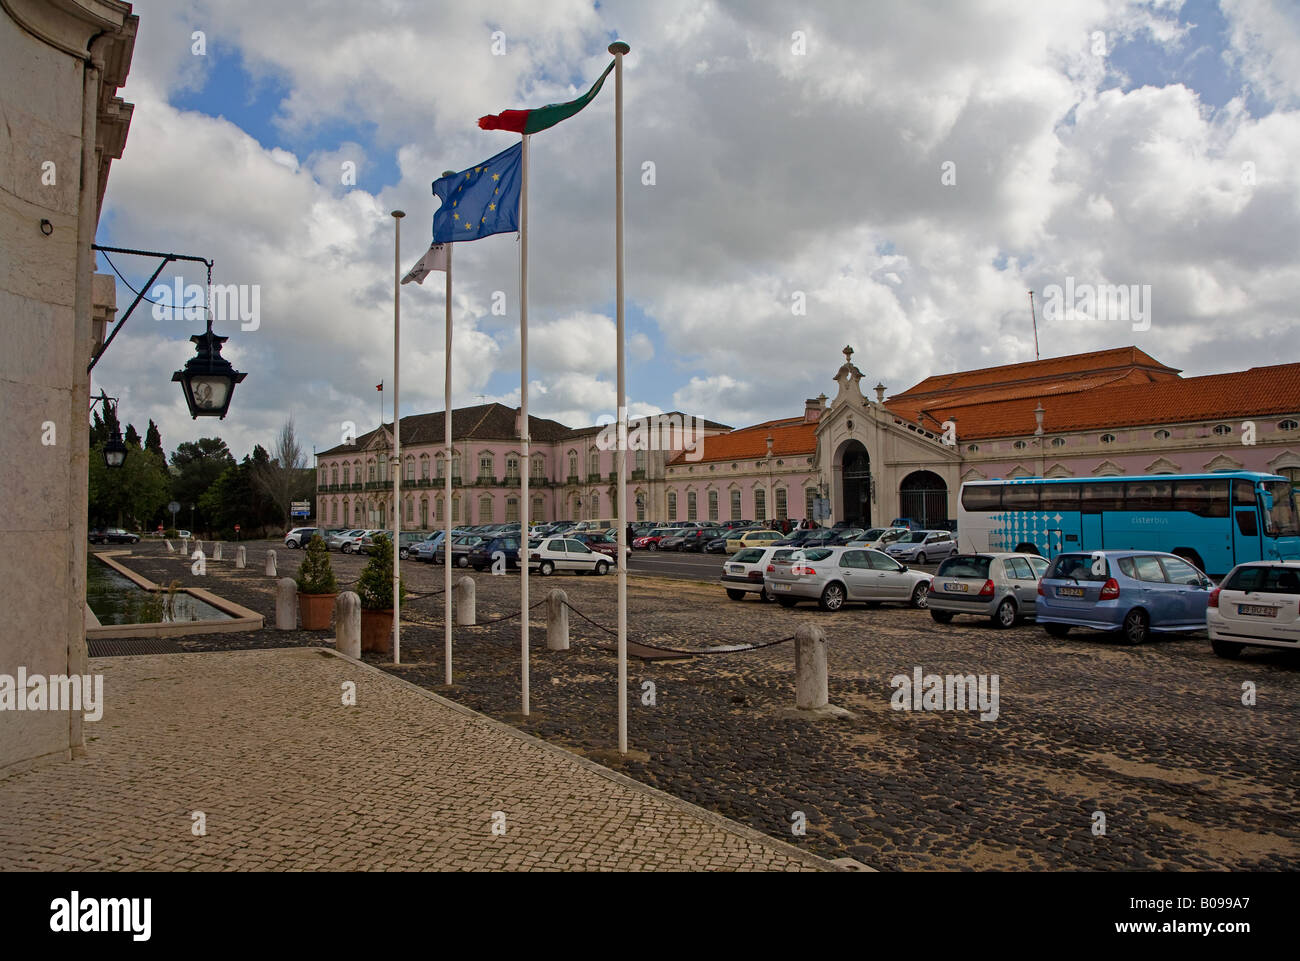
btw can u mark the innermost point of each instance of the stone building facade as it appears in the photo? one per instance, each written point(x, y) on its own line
point(61, 126)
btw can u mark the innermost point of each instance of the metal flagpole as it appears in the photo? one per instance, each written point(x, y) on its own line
point(397, 437)
point(523, 428)
point(618, 48)
point(446, 486)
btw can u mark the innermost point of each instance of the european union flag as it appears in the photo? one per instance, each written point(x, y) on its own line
point(480, 200)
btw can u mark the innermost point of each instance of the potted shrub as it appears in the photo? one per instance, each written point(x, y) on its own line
point(317, 587)
point(375, 588)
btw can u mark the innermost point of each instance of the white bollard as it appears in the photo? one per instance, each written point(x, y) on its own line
point(811, 689)
point(170, 548)
point(198, 544)
point(557, 621)
point(286, 604)
point(241, 557)
point(464, 591)
point(185, 547)
point(270, 563)
point(216, 551)
point(347, 624)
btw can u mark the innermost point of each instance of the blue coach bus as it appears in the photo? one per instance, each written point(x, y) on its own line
point(1215, 521)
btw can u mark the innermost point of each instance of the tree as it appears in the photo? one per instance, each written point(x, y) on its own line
point(132, 436)
point(283, 477)
point(153, 440)
point(196, 465)
point(132, 495)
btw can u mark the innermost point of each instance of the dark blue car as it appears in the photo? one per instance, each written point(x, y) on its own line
point(484, 554)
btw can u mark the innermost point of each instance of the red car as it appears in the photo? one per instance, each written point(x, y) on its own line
point(601, 542)
point(650, 542)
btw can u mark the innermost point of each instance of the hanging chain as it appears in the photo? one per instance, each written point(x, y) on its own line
point(207, 297)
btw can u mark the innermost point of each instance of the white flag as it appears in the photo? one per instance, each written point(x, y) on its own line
point(435, 258)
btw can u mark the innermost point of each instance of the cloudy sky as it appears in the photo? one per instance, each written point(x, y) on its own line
point(906, 172)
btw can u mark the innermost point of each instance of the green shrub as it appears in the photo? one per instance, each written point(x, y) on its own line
point(375, 585)
point(315, 574)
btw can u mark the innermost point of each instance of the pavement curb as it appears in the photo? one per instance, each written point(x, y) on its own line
point(686, 807)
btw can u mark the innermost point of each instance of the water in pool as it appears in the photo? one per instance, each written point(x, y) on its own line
point(116, 599)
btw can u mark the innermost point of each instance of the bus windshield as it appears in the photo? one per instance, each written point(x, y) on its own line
point(1282, 519)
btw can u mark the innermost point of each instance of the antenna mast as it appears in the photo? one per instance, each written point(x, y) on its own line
point(1034, 317)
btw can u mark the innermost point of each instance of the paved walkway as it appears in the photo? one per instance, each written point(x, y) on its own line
point(289, 778)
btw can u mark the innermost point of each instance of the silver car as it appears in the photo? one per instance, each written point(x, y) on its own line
point(833, 575)
point(335, 541)
point(922, 547)
point(1001, 587)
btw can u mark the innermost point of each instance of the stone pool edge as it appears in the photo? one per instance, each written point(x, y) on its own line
point(241, 618)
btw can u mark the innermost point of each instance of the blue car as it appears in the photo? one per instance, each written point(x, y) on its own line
point(1136, 593)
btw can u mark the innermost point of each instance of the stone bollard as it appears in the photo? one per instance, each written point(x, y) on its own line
point(198, 544)
point(170, 548)
point(464, 591)
point(270, 563)
point(241, 557)
point(286, 604)
point(347, 624)
point(216, 551)
point(185, 547)
point(811, 690)
point(557, 621)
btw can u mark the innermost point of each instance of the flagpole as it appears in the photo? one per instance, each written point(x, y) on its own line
point(618, 48)
point(446, 484)
point(523, 428)
point(397, 436)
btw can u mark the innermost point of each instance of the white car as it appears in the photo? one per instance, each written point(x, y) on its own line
point(565, 554)
point(833, 576)
point(1258, 604)
point(743, 572)
point(297, 538)
point(350, 543)
point(878, 538)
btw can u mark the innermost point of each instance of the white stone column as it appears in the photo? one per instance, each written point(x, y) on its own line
point(286, 604)
point(557, 621)
point(216, 551)
point(465, 610)
point(347, 624)
point(241, 557)
point(270, 563)
point(811, 688)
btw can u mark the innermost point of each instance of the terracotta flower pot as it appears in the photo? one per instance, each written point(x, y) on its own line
point(377, 631)
point(315, 610)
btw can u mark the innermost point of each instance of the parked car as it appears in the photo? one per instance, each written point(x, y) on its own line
point(484, 554)
point(334, 542)
point(112, 535)
point(1002, 587)
point(423, 551)
point(910, 523)
point(1257, 604)
point(743, 574)
point(1136, 593)
point(408, 540)
point(603, 543)
point(844, 536)
point(688, 539)
point(808, 537)
point(461, 545)
point(833, 575)
point(716, 546)
point(738, 540)
point(878, 538)
point(351, 543)
point(566, 554)
point(368, 540)
point(923, 546)
point(650, 542)
point(299, 536)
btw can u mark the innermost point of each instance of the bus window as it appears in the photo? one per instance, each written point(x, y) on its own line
point(1247, 524)
point(1095, 498)
point(1205, 498)
point(1020, 497)
point(1282, 520)
point(1060, 497)
point(981, 497)
point(1243, 493)
point(1149, 496)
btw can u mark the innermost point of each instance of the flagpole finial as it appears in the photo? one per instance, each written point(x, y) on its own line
point(399, 214)
point(618, 46)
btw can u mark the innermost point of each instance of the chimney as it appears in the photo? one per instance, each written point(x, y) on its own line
point(812, 409)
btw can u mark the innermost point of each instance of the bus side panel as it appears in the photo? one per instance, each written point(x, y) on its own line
point(1135, 531)
point(1067, 534)
point(1090, 538)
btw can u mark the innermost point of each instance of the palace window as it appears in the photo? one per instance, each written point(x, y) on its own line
point(809, 502)
point(595, 461)
point(410, 468)
point(691, 506)
point(424, 466)
point(512, 510)
point(1020, 445)
point(347, 474)
point(760, 504)
point(639, 460)
point(1108, 438)
point(512, 469)
point(573, 463)
point(1058, 441)
point(334, 475)
point(672, 505)
point(487, 467)
point(1288, 424)
point(735, 505)
point(370, 471)
point(713, 505)
point(780, 503)
point(1162, 435)
point(539, 467)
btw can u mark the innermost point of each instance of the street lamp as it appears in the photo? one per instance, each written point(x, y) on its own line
point(208, 379)
point(114, 449)
point(770, 506)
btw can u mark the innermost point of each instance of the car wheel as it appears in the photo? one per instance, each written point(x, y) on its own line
point(920, 558)
point(786, 601)
point(765, 597)
point(652, 547)
point(462, 561)
point(1136, 627)
point(479, 568)
point(546, 568)
point(921, 595)
point(1227, 649)
point(735, 595)
point(1057, 630)
point(347, 548)
point(403, 554)
point(1005, 615)
point(941, 617)
point(601, 568)
point(832, 598)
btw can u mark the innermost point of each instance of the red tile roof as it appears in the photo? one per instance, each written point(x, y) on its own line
point(791, 437)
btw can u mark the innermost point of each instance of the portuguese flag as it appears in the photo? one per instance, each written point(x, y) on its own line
point(533, 121)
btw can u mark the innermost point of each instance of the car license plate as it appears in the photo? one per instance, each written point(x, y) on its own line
point(1257, 610)
point(953, 588)
point(1069, 592)
point(736, 568)
point(781, 587)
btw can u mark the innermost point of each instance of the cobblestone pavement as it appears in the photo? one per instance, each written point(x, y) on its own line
point(288, 778)
point(1156, 738)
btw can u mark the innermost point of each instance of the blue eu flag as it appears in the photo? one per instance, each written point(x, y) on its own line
point(480, 200)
